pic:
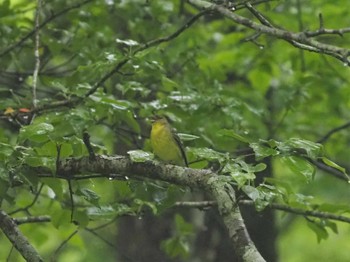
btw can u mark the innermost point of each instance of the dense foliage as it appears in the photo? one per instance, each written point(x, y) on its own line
point(254, 107)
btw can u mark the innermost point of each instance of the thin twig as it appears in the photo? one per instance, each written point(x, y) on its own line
point(36, 52)
point(26, 220)
point(71, 199)
point(100, 237)
point(301, 28)
point(54, 256)
point(31, 204)
point(112, 245)
point(333, 131)
point(300, 211)
point(173, 35)
point(258, 15)
point(280, 207)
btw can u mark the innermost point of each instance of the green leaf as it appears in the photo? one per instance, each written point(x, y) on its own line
point(141, 204)
point(182, 226)
point(207, 153)
point(55, 185)
point(112, 103)
point(60, 217)
point(259, 167)
point(130, 120)
point(232, 134)
point(319, 230)
point(187, 137)
point(176, 247)
point(36, 132)
point(108, 212)
point(168, 84)
point(36, 161)
point(251, 192)
point(262, 151)
point(332, 225)
point(89, 196)
point(330, 163)
point(140, 156)
point(312, 149)
point(237, 174)
point(5, 151)
point(299, 166)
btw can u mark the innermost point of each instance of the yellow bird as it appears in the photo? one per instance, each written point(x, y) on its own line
point(166, 144)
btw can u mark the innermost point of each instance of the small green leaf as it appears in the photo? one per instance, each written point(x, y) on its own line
point(89, 196)
point(37, 161)
point(330, 163)
point(60, 217)
point(129, 118)
point(140, 203)
point(140, 156)
point(168, 84)
point(5, 151)
point(251, 192)
point(319, 230)
point(108, 212)
point(187, 137)
point(333, 226)
point(231, 133)
point(182, 226)
point(36, 132)
point(55, 185)
point(262, 151)
point(207, 153)
point(299, 166)
point(176, 247)
point(259, 167)
point(239, 176)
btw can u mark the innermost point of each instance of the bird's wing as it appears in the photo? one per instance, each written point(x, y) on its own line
point(180, 145)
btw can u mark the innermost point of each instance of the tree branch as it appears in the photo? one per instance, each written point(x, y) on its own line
point(300, 40)
point(217, 186)
point(333, 131)
point(18, 240)
point(36, 53)
point(26, 220)
point(280, 207)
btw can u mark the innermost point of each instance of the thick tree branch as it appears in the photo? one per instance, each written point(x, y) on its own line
point(217, 186)
point(18, 240)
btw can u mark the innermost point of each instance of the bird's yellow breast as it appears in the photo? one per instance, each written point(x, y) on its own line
point(164, 144)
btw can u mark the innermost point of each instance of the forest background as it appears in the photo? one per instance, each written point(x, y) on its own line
point(258, 91)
